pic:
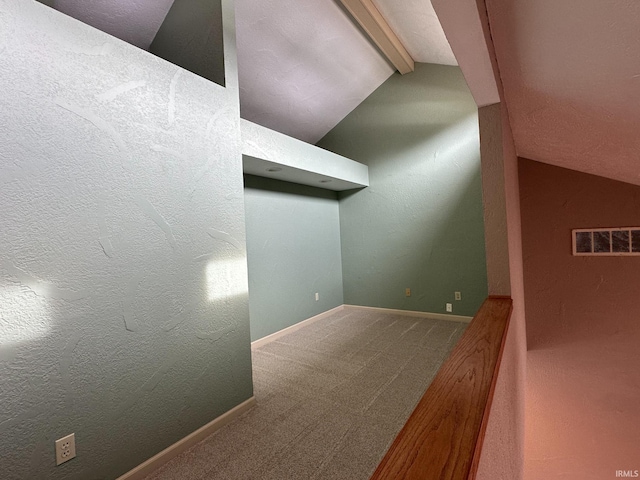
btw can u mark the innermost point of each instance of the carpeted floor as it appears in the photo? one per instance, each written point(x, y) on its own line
point(331, 398)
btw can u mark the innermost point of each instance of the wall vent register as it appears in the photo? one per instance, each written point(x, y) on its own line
point(606, 241)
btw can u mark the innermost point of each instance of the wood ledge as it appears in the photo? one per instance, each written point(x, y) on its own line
point(443, 437)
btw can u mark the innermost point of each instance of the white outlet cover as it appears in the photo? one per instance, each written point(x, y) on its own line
point(449, 307)
point(65, 448)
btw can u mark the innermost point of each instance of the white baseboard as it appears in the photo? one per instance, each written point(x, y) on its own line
point(190, 440)
point(409, 313)
point(438, 316)
point(274, 336)
point(155, 462)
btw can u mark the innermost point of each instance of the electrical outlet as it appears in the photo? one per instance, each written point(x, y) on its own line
point(458, 295)
point(317, 296)
point(407, 292)
point(449, 307)
point(65, 448)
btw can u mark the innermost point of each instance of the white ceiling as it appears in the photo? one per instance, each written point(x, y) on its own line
point(571, 75)
point(570, 68)
point(303, 64)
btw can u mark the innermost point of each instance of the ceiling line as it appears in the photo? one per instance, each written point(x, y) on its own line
point(372, 21)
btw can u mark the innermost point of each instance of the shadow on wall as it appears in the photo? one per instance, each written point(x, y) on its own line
point(116, 357)
point(421, 220)
point(583, 381)
point(458, 248)
point(419, 224)
point(293, 253)
point(108, 201)
point(403, 116)
point(573, 299)
point(187, 33)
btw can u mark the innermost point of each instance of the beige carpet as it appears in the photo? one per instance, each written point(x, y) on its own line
point(331, 398)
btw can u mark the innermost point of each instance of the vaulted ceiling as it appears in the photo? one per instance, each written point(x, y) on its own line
point(570, 68)
point(571, 75)
point(304, 64)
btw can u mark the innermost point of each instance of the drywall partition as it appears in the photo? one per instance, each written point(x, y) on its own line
point(419, 224)
point(467, 27)
point(293, 252)
point(271, 154)
point(502, 454)
point(583, 375)
point(494, 199)
point(123, 287)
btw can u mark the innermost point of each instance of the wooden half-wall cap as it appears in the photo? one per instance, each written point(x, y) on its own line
point(372, 21)
point(443, 437)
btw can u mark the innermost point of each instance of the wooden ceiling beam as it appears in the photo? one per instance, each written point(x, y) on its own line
point(372, 21)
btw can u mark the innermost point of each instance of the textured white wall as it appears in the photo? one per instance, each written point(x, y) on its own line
point(123, 304)
point(299, 162)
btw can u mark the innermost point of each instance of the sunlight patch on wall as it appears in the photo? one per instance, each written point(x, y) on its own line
point(447, 165)
point(226, 279)
point(455, 163)
point(24, 316)
point(459, 148)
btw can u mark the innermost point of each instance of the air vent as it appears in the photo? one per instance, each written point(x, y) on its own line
point(606, 241)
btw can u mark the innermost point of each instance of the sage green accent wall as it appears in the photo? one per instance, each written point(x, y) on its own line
point(124, 315)
point(293, 251)
point(419, 225)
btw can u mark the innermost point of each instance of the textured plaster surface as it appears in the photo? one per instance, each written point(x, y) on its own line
point(494, 200)
point(297, 161)
point(123, 285)
point(582, 327)
point(463, 25)
point(134, 21)
point(303, 70)
point(293, 251)
point(417, 26)
point(467, 27)
point(571, 82)
point(419, 223)
point(191, 37)
point(503, 448)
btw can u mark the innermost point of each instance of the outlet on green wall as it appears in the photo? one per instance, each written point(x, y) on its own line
point(420, 222)
point(293, 253)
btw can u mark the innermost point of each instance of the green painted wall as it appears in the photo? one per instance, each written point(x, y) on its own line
point(293, 251)
point(124, 315)
point(420, 223)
